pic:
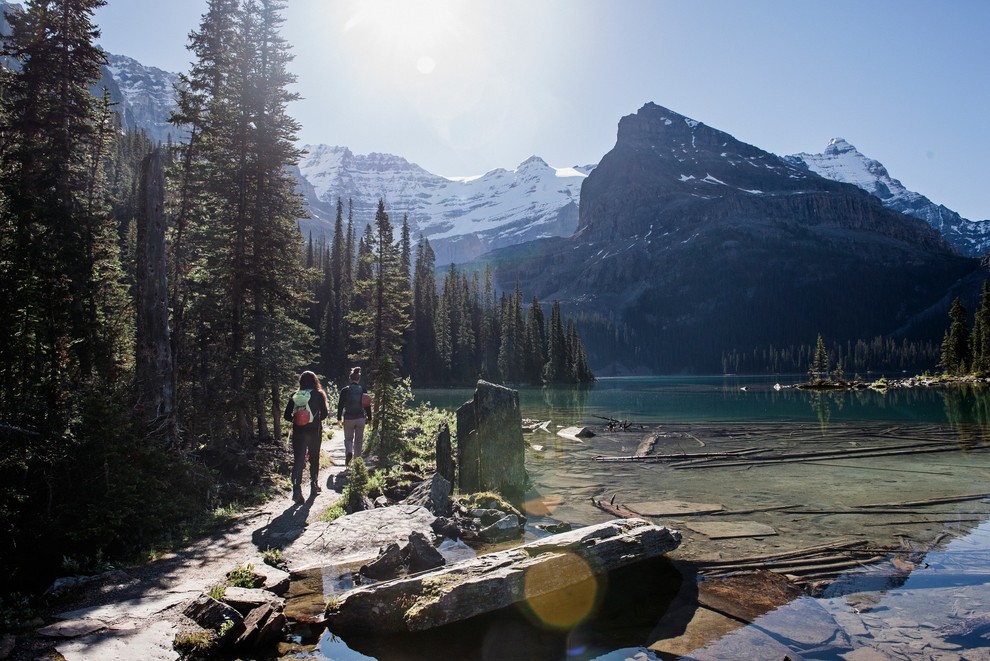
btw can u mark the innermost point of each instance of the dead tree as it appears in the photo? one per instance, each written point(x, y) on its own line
point(156, 393)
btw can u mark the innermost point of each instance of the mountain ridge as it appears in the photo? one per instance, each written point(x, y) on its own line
point(841, 161)
point(699, 243)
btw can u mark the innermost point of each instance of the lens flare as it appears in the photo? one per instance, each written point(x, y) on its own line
point(562, 593)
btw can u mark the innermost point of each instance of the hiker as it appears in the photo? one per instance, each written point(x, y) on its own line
point(353, 409)
point(306, 410)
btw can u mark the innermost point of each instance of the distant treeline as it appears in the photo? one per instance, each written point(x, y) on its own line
point(451, 334)
point(879, 355)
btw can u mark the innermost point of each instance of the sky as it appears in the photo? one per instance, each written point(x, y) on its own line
point(461, 87)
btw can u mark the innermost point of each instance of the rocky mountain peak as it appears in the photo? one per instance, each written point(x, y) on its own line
point(839, 146)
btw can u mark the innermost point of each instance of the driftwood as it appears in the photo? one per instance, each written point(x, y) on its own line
point(661, 458)
point(846, 453)
point(496, 580)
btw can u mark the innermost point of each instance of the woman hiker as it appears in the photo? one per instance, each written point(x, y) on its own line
point(353, 409)
point(306, 410)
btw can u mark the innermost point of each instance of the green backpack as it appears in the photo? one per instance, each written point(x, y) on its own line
point(302, 415)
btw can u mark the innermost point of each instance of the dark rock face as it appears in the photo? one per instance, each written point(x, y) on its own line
point(490, 444)
point(433, 494)
point(701, 244)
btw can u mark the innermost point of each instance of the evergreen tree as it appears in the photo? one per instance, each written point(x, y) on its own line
point(818, 370)
point(64, 309)
point(955, 358)
point(423, 357)
point(244, 246)
point(980, 349)
point(536, 352)
point(556, 369)
point(380, 328)
point(334, 345)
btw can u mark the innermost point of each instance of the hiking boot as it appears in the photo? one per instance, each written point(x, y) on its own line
point(314, 488)
point(297, 496)
point(347, 459)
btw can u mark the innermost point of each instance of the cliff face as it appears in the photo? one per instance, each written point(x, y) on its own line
point(675, 175)
point(702, 244)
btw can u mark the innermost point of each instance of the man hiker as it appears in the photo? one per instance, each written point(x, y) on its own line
point(353, 410)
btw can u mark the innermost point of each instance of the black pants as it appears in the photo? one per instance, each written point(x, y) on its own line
point(306, 438)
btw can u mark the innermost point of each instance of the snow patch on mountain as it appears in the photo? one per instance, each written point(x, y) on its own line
point(146, 96)
point(461, 216)
point(841, 161)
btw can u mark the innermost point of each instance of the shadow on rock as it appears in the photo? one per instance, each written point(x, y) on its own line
point(283, 529)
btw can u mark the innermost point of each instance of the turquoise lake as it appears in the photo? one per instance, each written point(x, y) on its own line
point(730, 398)
point(925, 596)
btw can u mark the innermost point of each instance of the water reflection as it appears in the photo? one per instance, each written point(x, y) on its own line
point(687, 399)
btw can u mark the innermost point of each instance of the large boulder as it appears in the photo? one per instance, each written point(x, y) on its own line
point(490, 446)
point(433, 494)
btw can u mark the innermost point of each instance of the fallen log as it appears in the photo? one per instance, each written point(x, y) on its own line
point(659, 458)
point(928, 501)
point(496, 580)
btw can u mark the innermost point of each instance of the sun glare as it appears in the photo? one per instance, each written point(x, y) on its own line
point(407, 34)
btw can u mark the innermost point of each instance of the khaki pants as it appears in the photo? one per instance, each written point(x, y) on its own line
point(353, 436)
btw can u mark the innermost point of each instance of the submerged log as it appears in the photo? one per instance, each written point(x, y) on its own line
point(496, 580)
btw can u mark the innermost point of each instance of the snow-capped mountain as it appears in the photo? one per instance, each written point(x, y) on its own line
point(145, 96)
point(462, 217)
point(843, 162)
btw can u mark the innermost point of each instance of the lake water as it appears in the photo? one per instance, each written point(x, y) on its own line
point(899, 475)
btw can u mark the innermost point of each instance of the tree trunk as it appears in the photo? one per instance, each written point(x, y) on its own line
point(154, 353)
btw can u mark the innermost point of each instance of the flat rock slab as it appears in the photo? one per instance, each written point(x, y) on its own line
point(727, 529)
point(533, 573)
point(71, 628)
point(672, 508)
point(705, 627)
point(140, 608)
point(148, 642)
point(357, 537)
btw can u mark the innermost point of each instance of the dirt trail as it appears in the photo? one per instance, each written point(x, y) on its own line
point(135, 612)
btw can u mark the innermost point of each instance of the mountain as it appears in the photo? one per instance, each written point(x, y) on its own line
point(462, 218)
point(696, 244)
point(145, 96)
point(843, 162)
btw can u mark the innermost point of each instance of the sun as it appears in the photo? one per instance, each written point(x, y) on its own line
point(417, 35)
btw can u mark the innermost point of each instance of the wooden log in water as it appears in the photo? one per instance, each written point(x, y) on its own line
point(661, 458)
point(797, 457)
point(496, 580)
point(943, 500)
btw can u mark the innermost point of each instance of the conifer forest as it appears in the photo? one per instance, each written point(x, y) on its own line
point(159, 301)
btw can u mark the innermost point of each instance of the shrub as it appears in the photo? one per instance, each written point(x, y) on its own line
point(357, 485)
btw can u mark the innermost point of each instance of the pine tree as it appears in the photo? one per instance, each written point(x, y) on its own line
point(980, 349)
point(955, 358)
point(536, 352)
point(423, 357)
point(334, 341)
point(555, 370)
point(243, 243)
point(63, 317)
point(818, 370)
point(380, 328)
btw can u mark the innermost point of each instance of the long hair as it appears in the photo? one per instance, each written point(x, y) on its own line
point(309, 381)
